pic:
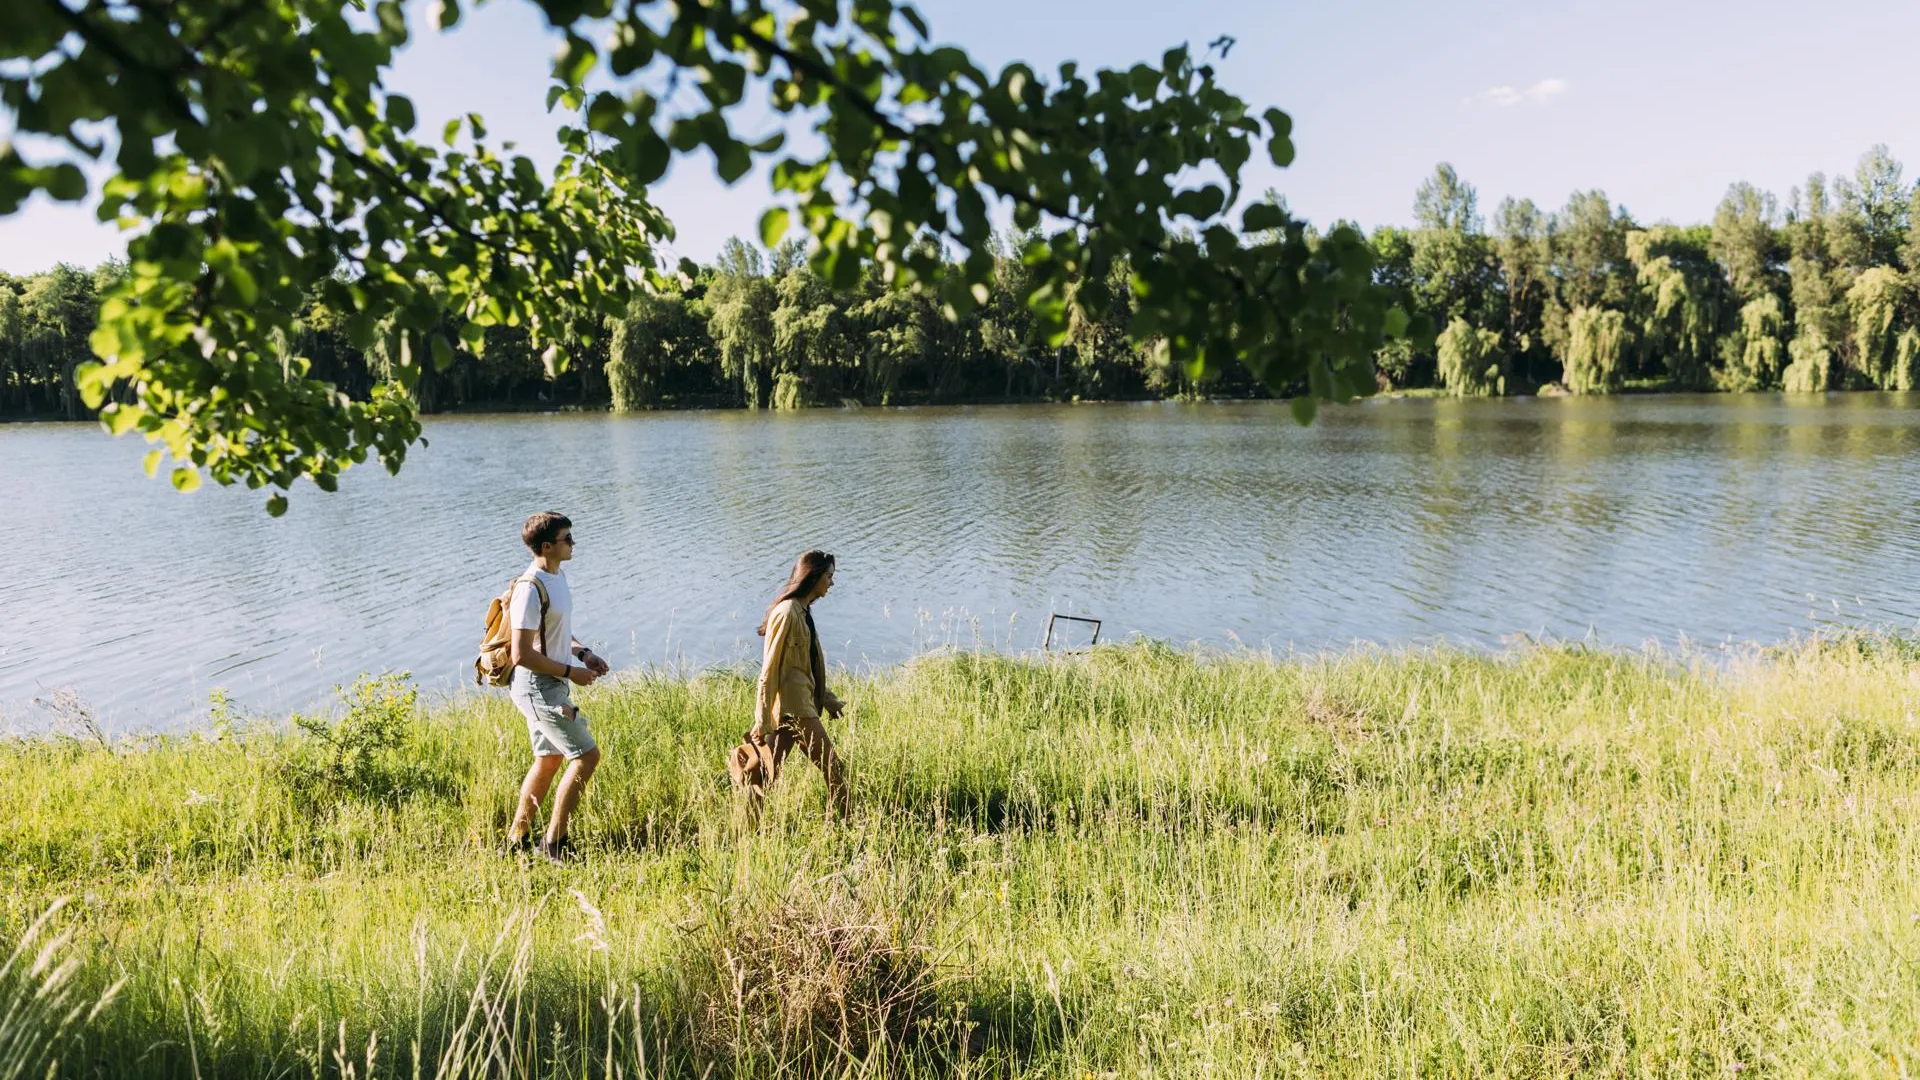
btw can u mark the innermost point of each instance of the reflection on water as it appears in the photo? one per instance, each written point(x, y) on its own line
point(1709, 517)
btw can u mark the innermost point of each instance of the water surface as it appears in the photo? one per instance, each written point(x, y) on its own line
point(1710, 518)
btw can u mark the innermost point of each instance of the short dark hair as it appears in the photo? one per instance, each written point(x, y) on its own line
point(543, 528)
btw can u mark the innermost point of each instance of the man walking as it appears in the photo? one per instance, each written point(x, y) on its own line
point(548, 663)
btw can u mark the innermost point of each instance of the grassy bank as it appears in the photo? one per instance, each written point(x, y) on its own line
point(1139, 862)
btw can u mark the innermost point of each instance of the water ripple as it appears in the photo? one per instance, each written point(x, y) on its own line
point(1653, 517)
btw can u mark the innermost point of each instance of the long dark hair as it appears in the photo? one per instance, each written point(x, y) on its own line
point(808, 569)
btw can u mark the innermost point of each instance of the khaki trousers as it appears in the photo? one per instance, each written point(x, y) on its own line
point(755, 764)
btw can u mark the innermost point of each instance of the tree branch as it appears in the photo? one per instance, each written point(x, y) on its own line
point(807, 65)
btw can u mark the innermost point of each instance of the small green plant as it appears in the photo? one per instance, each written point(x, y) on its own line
point(364, 755)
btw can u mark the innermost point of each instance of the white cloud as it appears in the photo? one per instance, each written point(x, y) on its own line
point(1542, 91)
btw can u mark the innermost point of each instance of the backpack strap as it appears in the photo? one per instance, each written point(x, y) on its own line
point(542, 590)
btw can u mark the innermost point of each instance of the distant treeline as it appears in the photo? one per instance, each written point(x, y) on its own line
point(1820, 293)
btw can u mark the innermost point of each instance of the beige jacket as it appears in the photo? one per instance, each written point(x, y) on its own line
point(793, 674)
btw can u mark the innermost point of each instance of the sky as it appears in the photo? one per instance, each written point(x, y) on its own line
point(1660, 104)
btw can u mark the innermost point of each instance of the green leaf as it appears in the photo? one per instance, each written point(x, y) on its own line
point(732, 160)
point(444, 13)
point(442, 352)
point(277, 505)
point(1303, 408)
point(774, 225)
point(651, 156)
point(1281, 149)
point(151, 462)
point(575, 60)
point(1262, 216)
point(1143, 81)
point(605, 113)
point(66, 183)
point(91, 379)
point(244, 286)
point(186, 478)
point(400, 113)
point(120, 419)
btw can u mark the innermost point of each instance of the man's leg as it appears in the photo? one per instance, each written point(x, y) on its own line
point(532, 790)
point(568, 797)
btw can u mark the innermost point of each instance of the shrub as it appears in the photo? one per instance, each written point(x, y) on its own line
point(366, 755)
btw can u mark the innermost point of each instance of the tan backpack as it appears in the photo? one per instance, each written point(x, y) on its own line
point(494, 665)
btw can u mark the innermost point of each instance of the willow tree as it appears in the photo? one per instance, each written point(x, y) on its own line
point(1819, 323)
point(259, 156)
point(1522, 247)
point(1684, 294)
point(1471, 361)
point(1599, 344)
point(1870, 219)
point(1754, 355)
point(740, 302)
point(1746, 241)
point(1452, 263)
point(1588, 245)
point(812, 350)
point(1879, 303)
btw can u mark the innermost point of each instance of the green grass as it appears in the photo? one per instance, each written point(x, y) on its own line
point(1140, 862)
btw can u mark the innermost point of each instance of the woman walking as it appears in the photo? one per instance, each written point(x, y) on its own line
point(792, 692)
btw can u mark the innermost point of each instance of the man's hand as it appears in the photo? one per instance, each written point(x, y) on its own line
point(582, 676)
point(593, 661)
point(835, 708)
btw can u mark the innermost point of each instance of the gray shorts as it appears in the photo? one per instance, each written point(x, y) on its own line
point(543, 700)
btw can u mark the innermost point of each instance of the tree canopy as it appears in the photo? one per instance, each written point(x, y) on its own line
point(262, 164)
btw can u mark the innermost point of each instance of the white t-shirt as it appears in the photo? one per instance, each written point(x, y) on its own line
point(524, 614)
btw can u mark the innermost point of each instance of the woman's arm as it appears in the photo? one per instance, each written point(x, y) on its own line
point(772, 656)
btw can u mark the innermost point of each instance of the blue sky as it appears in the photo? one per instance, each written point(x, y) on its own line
point(1661, 104)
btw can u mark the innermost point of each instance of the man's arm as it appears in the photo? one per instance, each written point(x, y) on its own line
point(589, 658)
point(525, 651)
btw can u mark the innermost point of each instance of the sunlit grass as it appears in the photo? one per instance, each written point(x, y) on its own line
point(1139, 862)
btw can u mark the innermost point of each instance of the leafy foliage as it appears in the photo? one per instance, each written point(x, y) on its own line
point(365, 755)
point(260, 159)
point(1598, 340)
point(1471, 363)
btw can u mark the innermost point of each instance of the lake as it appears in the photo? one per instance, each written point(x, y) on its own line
point(1704, 518)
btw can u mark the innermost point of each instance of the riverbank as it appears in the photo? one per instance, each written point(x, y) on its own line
point(1557, 861)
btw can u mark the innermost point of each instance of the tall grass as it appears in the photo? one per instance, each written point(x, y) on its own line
point(1137, 862)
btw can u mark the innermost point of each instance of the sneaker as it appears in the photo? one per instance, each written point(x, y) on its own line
point(559, 852)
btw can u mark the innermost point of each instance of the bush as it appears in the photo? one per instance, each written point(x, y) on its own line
point(368, 755)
